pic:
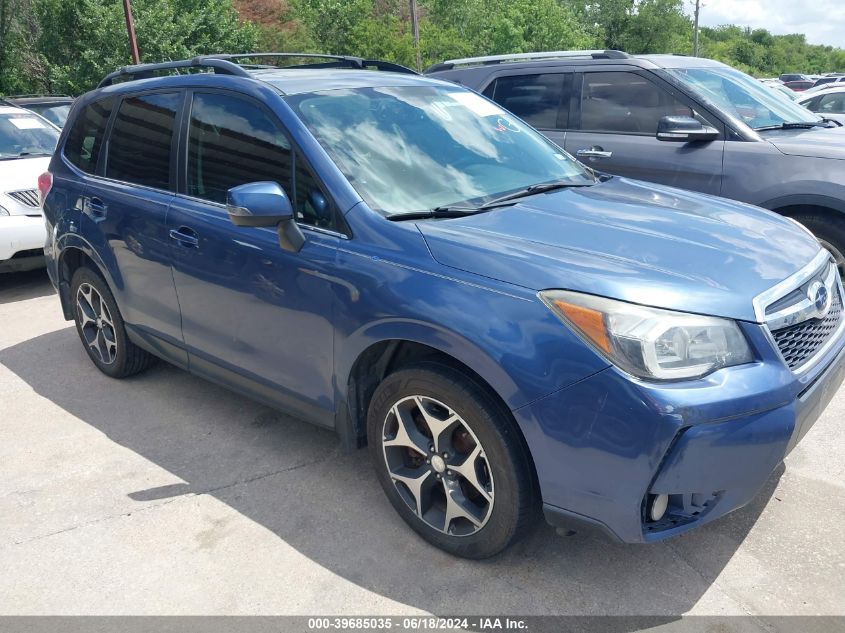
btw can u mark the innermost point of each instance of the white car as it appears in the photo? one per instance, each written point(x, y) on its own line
point(26, 143)
point(829, 103)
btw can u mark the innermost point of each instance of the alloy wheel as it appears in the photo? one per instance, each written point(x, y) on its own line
point(96, 324)
point(438, 465)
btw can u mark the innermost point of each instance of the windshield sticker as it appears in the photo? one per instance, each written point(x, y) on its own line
point(506, 125)
point(27, 123)
point(478, 105)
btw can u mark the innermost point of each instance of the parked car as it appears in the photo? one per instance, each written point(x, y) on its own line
point(26, 144)
point(830, 103)
point(799, 86)
point(619, 114)
point(787, 77)
point(54, 108)
point(400, 259)
point(823, 81)
point(780, 88)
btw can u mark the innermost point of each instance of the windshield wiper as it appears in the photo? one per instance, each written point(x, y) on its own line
point(437, 212)
point(793, 125)
point(542, 187)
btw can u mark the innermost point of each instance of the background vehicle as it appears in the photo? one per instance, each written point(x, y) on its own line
point(781, 89)
point(799, 86)
point(404, 261)
point(54, 108)
point(26, 144)
point(620, 114)
point(823, 81)
point(829, 103)
point(787, 77)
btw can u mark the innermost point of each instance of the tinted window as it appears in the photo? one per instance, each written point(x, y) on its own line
point(831, 104)
point(233, 142)
point(534, 98)
point(25, 134)
point(83, 144)
point(625, 102)
point(141, 138)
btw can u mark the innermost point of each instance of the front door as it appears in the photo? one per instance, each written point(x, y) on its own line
point(253, 314)
point(614, 130)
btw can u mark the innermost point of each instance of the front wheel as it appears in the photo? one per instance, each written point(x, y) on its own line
point(450, 460)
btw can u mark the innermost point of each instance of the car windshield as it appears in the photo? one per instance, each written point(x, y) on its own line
point(415, 148)
point(742, 97)
point(25, 135)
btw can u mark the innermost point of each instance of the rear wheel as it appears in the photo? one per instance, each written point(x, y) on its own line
point(450, 460)
point(100, 327)
point(830, 231)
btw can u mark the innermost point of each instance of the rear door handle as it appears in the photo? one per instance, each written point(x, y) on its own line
point(96, 208)
point(593, 152)
point(185, 236)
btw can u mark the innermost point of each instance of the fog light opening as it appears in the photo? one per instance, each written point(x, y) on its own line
point(657, 506)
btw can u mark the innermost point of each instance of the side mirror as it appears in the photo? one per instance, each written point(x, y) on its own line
point(684, 129)
point(265, 204)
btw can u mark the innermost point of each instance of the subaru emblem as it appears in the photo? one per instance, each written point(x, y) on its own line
point(820, 296)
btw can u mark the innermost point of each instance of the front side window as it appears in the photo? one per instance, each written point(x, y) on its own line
point(232, 142)
point(740, 96)
point(536, 99)
point(140, 144)
point(415, 148)
point(626, 103)
point(24, 135)
point(85, 139)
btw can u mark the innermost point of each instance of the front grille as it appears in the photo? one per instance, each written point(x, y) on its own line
point(28, 197)
point(798, 343)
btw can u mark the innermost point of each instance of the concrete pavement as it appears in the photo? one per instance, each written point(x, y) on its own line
point(165, 494)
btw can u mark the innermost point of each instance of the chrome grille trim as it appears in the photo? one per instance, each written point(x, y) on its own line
point(27, 197)
point(800, 332)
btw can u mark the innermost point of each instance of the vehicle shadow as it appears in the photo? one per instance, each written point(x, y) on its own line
point(293, 479)
point(22, 286)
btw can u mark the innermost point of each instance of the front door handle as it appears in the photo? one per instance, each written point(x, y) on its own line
point(593, 152)
point(185, 236)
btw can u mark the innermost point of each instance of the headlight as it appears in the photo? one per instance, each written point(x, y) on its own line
point(3, 211)
point(648, 342)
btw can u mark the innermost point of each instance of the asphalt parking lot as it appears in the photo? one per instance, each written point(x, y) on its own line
point(165, 494)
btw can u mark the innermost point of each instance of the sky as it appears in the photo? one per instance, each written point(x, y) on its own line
point(822, 21)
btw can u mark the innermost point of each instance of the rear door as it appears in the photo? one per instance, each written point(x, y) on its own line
point(613, 128)
point(126, 209)
point(541, 99)
point(254, 314)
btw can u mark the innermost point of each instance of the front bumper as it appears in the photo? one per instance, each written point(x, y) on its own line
point(21, 233)
point(604, 445)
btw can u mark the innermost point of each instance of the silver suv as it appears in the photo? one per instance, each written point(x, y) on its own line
point(683, 121)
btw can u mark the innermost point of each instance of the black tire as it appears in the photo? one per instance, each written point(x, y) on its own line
point(830, 231)
point(128, 358)
point(504, 458)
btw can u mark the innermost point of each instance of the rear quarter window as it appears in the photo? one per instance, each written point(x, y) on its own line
point(85, 139)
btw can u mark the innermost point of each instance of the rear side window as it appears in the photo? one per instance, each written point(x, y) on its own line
point(232, 142)
point(831, 104)
point(85, 139)
point(141, 140)
point(534, 98)
point(627, 103)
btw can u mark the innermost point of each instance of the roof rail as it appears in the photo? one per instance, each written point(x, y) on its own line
point(332, 61)
point(224, 64)
point(144, 71)
point(524, 57)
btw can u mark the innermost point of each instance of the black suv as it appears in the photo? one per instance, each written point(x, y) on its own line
point(683, 121)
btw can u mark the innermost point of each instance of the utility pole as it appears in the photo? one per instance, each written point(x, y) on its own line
point(415, 29)
point(130, 29)
point(695, 33)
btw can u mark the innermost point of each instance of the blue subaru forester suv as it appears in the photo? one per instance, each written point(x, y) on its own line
point(401, 260)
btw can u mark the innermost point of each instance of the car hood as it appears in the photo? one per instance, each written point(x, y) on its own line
point(633, 241)
point(817, 142)
point(20, 174)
